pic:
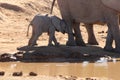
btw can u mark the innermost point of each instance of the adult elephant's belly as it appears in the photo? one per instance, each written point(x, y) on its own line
point(86, 11)
point(114, 4)
point(92, 20)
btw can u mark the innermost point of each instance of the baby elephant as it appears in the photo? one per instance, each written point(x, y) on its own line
point(46, 23)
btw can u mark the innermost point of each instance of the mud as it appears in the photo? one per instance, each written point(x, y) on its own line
point(58, 54)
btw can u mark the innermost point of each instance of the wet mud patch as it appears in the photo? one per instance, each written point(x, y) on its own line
point(54, 54)
point(59, 54)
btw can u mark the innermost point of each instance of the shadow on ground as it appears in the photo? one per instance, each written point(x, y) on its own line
point(61, 54)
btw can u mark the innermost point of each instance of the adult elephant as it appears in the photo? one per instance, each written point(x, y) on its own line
point(89, 27)
point(91, 12)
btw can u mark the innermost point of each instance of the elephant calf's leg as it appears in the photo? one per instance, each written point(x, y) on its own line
point(55, 41)
point(33, 38)
point(51, 36)
point(50, 40)
point(91, 37)
point(32, 41)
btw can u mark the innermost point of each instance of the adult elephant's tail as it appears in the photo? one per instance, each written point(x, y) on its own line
point(52, 6)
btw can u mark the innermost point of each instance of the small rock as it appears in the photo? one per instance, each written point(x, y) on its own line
point(18, 55)
point(102, 31)
point(2, 73)
point(32, 74)
point(86, 55)
point(72, 78)
point(5, 57)
point(27, 19)
point(88, 79)
point(17, 74)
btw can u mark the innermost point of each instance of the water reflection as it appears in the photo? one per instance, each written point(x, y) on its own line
point(101, 69)
point(85, 63)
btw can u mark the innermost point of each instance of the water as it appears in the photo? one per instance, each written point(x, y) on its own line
point(101, 69)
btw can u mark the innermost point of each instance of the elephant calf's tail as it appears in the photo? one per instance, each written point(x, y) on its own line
point(28, 30)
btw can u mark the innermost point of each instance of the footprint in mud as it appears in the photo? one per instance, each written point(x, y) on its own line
point(32, 74)
point(2, 73)
point(17, 74)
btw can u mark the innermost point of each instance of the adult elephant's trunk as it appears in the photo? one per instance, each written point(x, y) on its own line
point(52, 6)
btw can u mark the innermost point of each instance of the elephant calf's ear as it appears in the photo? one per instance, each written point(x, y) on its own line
point(56, 22)
point(63, 26)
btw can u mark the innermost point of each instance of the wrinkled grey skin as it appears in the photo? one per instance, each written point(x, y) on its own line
point(46, 23)
point(90, 12)
point(114, 4)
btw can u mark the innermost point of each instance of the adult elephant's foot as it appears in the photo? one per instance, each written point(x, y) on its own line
point(93, 42)
point(117, 50)
point(80, 43)
point(109, 49)
point(71, 43)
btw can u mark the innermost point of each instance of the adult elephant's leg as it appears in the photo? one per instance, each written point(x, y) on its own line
point(78, 36)
point(91, 36)
point(109, 41)
point(71, 41)
point(113, 25)
point(66, 15)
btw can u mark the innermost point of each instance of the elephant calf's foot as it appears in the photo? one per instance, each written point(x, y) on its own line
point(50, 45)
point(30, 44)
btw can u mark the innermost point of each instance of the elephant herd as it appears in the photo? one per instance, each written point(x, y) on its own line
point(89, 12)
